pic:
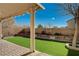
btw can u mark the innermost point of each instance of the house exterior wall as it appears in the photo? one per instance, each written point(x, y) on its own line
point(71, 24)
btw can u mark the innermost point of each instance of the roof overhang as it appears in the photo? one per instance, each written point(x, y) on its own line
point(13, 9)
point(40, 6)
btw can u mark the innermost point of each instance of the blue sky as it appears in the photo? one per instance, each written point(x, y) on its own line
point(53, 14)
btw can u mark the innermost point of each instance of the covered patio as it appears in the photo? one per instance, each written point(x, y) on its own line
point(8, 10)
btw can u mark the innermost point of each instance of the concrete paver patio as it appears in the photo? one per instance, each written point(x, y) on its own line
point(11, 49)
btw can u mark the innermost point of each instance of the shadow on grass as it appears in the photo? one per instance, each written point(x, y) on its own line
point(73, 53)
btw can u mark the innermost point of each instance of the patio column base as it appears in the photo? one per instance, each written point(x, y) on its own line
point(71, 47)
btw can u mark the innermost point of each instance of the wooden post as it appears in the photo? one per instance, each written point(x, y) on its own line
point(32, 31)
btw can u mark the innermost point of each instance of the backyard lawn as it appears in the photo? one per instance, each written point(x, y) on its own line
point(49, 47)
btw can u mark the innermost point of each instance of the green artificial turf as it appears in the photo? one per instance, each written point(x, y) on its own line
point(49, 47)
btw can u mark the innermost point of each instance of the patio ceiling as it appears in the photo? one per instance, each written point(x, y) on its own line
point(12, 9)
